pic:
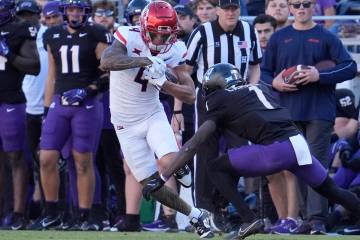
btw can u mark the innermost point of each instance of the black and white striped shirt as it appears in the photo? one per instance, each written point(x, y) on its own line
point(210, 44)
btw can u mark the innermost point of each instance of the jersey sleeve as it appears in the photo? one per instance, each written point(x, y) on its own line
point(178, 55)
point(256, 53)
point(214, 107)
point(122, 34)
point(46, 38)
point(345, 104)
point(26, 31)
point(194, 46)
point(101, 34)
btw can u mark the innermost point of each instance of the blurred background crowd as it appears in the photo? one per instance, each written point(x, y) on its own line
point(279, 199)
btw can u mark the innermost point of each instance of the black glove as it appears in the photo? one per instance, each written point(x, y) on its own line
point(151, 186)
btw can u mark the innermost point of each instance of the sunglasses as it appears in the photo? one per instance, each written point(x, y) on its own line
point(304, 4)
point(104, 13)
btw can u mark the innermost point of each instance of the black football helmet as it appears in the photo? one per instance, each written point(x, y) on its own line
point(7, 10)
point(135, 7)
point(221, 76)
point(82, 4)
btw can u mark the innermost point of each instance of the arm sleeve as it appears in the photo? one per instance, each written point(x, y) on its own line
point(46, 38)
point(256, 54)
point(194, 46)
point(345, 68)
point(268, 67)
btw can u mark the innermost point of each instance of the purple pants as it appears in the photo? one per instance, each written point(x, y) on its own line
point(263, 160)
point(12, 126)
point(76, 121)
point(66, 153)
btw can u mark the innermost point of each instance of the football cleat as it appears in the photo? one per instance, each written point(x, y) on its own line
point(202, 225)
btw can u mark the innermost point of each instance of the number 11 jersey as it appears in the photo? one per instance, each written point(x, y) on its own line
point(74, 54)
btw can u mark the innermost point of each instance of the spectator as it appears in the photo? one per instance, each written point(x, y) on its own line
point(314, 89)
point(265, 26)
point(279, 9)
point(52, 14)
point(104, 13)
point(205, 10)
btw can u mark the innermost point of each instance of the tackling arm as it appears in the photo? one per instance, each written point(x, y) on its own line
point(190, 148)
point(115, 58)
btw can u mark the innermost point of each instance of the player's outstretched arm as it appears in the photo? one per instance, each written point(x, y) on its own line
point(28, 60)
point(190, 148)
point(115, 58)
point(185, 90)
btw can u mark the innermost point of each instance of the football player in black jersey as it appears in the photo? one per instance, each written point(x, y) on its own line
point(18, 56)
point(277, 143)
point(74, 50)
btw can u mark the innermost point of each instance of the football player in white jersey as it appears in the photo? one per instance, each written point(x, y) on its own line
point(138, 59)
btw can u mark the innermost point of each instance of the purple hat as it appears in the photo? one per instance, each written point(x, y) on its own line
point(51, 8)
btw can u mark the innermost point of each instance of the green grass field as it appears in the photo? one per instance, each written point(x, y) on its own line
point(57, 235)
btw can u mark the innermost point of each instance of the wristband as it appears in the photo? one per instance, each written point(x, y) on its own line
point(177, 112)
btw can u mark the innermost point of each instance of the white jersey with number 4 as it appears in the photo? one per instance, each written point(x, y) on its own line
point(133, 99)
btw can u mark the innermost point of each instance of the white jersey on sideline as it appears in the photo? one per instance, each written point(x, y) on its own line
point(132, 99)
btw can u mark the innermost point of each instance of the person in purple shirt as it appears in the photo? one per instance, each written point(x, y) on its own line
point(325, 8)
point(311, 100)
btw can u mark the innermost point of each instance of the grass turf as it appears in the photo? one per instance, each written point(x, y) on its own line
point(59, 235)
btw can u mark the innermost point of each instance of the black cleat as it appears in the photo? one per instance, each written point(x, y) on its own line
point(247, 229)
point(126, 225)
point(19, 223)
point(44, 223)
point(202, 225)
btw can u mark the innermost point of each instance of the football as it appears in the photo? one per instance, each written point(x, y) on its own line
point(290, 73)
point(325, 64)
point(171, 75)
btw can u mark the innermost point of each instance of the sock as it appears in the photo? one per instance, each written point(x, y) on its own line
point(84, 214)
point(195, 213)
point(17, 215)
point(51, 208)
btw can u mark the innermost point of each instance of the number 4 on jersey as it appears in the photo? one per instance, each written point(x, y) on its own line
point(140, 80)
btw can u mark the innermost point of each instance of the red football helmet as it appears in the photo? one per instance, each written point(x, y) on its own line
point(159, 26)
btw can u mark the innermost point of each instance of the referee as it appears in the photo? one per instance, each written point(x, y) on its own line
point(224, 40)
